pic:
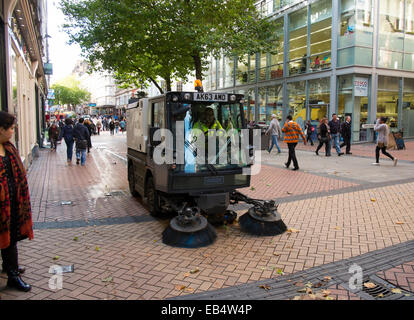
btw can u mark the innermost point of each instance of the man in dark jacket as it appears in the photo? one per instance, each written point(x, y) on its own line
point(82, 138)
point(335, 127)
point(67, 134)
point(346, 133)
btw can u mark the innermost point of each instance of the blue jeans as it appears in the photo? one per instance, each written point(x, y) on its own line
point(335, 138)
point(81, 155)
point(274, 142)
point(69, 149)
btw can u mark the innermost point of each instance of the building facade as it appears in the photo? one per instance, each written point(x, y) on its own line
point(349, 57)
point(23, 84)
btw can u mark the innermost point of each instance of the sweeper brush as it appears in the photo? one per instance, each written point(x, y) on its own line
point(189, 230)
point(262, 219)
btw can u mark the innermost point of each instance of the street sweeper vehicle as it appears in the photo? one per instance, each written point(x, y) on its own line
point(188, 153)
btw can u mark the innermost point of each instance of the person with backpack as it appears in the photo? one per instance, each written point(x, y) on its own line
point(82, 139)
point(67, 134)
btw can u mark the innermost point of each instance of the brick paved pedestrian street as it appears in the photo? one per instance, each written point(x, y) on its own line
point(339, 211)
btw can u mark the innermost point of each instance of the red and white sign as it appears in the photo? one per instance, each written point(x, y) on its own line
point(360, 87)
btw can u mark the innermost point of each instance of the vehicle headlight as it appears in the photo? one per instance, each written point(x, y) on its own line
point(233, 97)
point(187, 96)
point(175, 98)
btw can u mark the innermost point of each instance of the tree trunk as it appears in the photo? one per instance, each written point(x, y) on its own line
point(168, 83)
point(156, 84)
point(197, 66)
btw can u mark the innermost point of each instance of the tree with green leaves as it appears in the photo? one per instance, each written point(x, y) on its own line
point(68, 92)
point(141, 40)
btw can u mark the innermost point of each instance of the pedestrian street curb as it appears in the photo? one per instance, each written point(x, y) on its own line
point(92, 222)
point(283, 287)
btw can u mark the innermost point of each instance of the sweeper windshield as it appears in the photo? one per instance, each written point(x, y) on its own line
point(212, 133)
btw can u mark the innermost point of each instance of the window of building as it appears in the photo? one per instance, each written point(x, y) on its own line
point(271, 64)
point(387, 100)
point(273, 103)
point(355, 33)
point(297, 101)
point(320, 36)
point(391, 34)
point(158, 119)
point(409, 36)
point(319, 98)
point(249, 104)
point(242, 70)
point(228, 72)
point(407, 124)
point(220, 72)
point(252, 68)
point(298, 33)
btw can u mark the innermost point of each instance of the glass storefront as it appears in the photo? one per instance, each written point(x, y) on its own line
point(391, 34)
point(270, 102)
point(355, 33)
point(249, 104)
point(297, 101)
point(242, 70)
point(387, 100)
point(320, 36)
point(319, 97)
point(409, 36)
point(298, 34)
point(271, 65)
point(228, 72)
point(407, 125)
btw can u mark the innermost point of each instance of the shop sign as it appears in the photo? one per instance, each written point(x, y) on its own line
point(361, 87)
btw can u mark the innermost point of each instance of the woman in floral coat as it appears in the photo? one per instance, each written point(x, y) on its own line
point(15, 209)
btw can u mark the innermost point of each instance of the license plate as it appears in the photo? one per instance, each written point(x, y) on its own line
point(212, 181)
point(219, 97)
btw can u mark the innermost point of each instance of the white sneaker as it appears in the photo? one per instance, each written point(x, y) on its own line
point(375, 164)
point(395, 161)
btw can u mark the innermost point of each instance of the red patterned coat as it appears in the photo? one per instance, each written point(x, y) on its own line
point(24, 212)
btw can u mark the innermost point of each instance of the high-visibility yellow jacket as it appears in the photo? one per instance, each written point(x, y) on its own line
point(201, 126)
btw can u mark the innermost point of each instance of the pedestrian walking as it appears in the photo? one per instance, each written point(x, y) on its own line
point(383, 132)
point(99, 126)
point(15, 208)
point(274, 130)
point(324, 137)
point(67, 135)
point(292, 131)
point(309, 131)
point(82, 137)
point(111, 127)
point(53, 136)
point(89, 126)
point(116, 126)
point(335, 126)
point(122, 125)
point(346, 132)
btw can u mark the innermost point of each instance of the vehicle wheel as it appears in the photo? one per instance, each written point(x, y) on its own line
point(131, 182)
point(152, 197)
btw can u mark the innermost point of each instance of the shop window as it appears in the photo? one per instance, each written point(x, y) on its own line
point(298, 22)
point(297, 101)
point(388, 99)
point(407, 125)
point(242, 70)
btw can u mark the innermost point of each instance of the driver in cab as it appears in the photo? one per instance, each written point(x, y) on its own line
point(208, 122)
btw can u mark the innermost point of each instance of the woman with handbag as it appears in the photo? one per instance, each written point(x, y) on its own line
point(383, 131)
point(15, 208)
point(324, 137)
point(82, 140)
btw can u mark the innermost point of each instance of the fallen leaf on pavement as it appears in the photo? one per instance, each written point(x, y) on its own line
point(337, 228)
point(399, 222)
point(280, 271)
point(292, 230)
point(252, 188)
point(276, 254)
point(326, 293)
point(186, 274)
point(369, 285)
point(109, 279)
point(180, 287)
point(195, 270)
point(381, 295)
point(373, 199)
point(189, 290)
point(265, 286)
point(327, 278)
point(396, 291)
point(288, 192)
point(97, 248)
point(318, 285)
point(75, 239)
point(56, 258)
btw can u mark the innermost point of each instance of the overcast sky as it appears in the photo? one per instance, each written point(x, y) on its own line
point(62, 55)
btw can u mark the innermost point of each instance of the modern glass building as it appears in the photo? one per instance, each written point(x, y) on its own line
point(351, 57)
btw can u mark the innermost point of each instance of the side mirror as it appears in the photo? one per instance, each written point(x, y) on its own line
point(153, 143)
